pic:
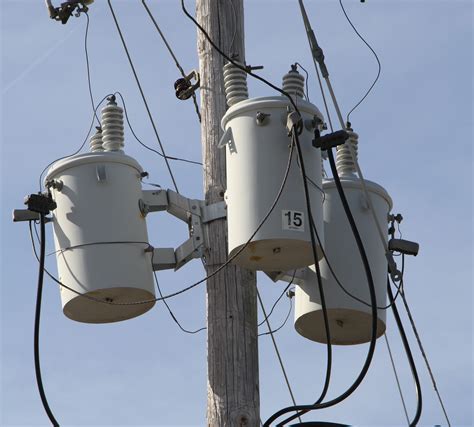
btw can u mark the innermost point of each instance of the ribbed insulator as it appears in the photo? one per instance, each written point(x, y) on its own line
point(95, 142)
point(293, 83)
point(112, 127)
point(235, 83)
point(344, 163)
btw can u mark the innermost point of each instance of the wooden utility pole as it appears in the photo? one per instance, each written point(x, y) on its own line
point(232, 345)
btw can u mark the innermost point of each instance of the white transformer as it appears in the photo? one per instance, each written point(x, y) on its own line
point(100, 234)
point(258, 148)
point(350, 321)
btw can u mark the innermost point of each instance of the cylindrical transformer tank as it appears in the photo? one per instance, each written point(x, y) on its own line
point(258, 148)
point(350, 321)
point(101, 236)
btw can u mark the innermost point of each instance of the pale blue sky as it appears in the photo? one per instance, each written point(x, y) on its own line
point(415, 140)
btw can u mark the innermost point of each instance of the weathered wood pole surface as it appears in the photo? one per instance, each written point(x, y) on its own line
point(232, 345)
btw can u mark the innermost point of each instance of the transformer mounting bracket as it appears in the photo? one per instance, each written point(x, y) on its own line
point(193, 212)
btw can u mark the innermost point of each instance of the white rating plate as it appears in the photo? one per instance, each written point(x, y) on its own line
point(292, 220)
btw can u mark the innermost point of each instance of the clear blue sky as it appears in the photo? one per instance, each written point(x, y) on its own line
point(415, 139)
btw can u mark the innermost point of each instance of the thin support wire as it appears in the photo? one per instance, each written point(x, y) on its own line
point(142, 94)
point(425, 357)
point(396, 378)
point(170, 50)
point(277, 351)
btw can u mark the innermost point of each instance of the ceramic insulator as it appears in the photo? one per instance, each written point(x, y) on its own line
point(293, 83)
point(235, 83)
point(344, 162)
point(112, 127)
point(95, 142)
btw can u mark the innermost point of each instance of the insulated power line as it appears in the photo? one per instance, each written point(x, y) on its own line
point(271, 332)
point(376, 58)
point(79, 149)
point(394, 368)
point(170, 50)
point(88, 69)
point(39, 295)
point(411, 361)
point(371, 350)
point(171, 313)
point(277, 351)
point(425, 357)
point(142, 94)
point(146, 146)
point(278, 299)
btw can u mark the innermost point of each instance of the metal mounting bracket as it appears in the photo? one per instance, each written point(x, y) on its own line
point(194, 212)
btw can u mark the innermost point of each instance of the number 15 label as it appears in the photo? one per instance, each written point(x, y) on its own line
point(292, 220)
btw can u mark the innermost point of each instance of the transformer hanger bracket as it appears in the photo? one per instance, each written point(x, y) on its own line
point(194, 212)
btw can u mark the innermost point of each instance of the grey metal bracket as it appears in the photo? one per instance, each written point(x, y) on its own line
point(193, 212)
point(227, 139)
point(19, 215)
point(297, 277)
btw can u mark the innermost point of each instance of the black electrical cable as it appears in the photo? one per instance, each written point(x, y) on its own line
point(262, 222)
point(170, 50)
point(235, 63)
point(278, 299)
point(142, 95)
point(79, 149)
point(348, 293)
point(146, 146)
point(317, 268)
point(39, 380)
point(171, 312)
point(89, 82)
point(281, 326)
point(409, 354)
point(375, 55)
point(370, 353)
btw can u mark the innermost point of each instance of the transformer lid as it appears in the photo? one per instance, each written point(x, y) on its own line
point(355, 182)
point(280, 102)
point(90, 158)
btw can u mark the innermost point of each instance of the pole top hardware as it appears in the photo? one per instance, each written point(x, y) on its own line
point(184, 89)
point(330, 140)
point(67, 9)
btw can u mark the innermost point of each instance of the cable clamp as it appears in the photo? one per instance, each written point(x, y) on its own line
point(294, 121)
point(40, 203)
point(184, 89)
point(330, 140)
point(67, 9)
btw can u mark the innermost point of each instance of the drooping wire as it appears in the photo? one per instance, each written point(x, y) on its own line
point(282, 325)
point(373, 299)
point(142, 95)
point(171, 313)
point(343, 288)
point(314, 247)
point(411, 361)
point(146, 146)
point(306, 80)
point(170, 50)
point(89, 82)
point(278, 299)
point(375, 55)
point(220, 268)
point(235, 63)
point(423, 353)
point(79, 149)
point(39, 295)
point(277, 351)
point(394, 368)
